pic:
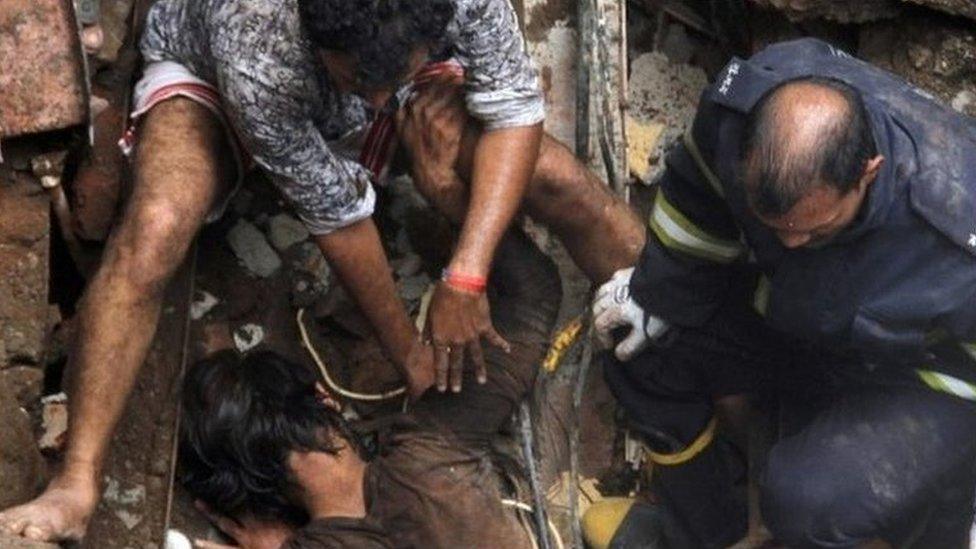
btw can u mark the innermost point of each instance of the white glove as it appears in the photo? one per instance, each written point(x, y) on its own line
point(613, 307)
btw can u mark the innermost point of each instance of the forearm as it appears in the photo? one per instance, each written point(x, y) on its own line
point(504, 161)
point(357, 257)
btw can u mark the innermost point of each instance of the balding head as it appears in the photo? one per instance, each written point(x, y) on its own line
point(804, 134)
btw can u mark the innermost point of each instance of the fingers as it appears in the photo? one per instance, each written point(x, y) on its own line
point(631, 345)
point(441, 359)
point(457, 368)
point(478, 359)
point(496, 339)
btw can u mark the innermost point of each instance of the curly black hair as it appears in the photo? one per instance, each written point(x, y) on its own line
point(379, 34)
point(241, 419)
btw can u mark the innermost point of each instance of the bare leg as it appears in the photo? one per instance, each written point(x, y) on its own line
point(601, 233)
point(177, 180)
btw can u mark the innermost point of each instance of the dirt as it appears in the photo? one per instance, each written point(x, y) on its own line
point(22, 469)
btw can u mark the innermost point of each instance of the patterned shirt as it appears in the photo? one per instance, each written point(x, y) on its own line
point(290, 118)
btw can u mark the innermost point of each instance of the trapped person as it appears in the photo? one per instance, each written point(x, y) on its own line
point(815, 233)
point(275, 464)
point(317, 93)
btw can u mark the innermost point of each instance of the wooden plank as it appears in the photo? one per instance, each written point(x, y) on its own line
point(132, 513)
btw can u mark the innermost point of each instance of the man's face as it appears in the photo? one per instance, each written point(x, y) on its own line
point(342, 70)
point(823, 213)
point(817, 217)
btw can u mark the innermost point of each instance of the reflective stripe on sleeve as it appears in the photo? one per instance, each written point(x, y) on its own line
point(970, 349)
point(948, 384)
point(677, 232)
point(760, 300)
point(703, 168)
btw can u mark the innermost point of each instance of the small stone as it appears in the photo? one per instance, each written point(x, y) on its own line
point(203, 303)
point(177, 540)
point(963, 100)
point(54, 421)
point(285, 231)
point(130, 520)
point(414, 287)
point(252, 249)
point(248, 337)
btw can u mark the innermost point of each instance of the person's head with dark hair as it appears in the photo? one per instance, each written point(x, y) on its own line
point(807, 159)
point(370, 46)
point(245, 423)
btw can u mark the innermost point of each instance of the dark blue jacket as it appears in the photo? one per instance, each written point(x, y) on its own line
point(898, 285)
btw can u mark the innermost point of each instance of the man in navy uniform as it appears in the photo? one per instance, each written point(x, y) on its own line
point(814, 233)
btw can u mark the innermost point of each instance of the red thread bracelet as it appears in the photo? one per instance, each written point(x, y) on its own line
point(468, 283)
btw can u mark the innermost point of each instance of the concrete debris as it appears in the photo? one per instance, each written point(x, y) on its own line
point(934, 53)
point(248, 337)
point(24, 252)
point(841, 11)
point(25, 383)
point(203, 303)
point(284, 231)
point(54, 422)
point(965, 8)
point(21, 465)
point(177, 540)
point(42, 78)
point(114, 20)
point(412, 288)
point(115, 494)
point(129, 520)
point(642, 140)
point(665, 94)
point(252, 249)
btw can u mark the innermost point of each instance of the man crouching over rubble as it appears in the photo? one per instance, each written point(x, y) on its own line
point(261, 442)
point(313, 92)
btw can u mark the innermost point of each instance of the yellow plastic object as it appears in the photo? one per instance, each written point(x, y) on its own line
point(602, 520)
point(565, 339)
point(691, 451)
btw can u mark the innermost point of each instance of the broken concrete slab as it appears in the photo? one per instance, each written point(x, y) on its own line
point(285, 231)
point(24, 256)
point(24, 382)
point(54, 418)
point(42, 77)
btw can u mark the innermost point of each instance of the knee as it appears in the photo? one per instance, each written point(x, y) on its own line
point(148, 247)
point(557, 171)
point(812, 501)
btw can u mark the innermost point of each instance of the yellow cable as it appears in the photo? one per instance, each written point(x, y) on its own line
point(565, 339)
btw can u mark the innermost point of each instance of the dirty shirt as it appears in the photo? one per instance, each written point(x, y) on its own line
point(435, 484)
point(294, 123)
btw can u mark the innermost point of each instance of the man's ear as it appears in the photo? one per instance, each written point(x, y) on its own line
point(871, 169)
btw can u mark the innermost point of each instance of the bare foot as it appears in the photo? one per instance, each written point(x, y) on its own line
point(61, 513)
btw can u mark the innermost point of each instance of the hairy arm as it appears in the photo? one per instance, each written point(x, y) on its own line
point(356, 255)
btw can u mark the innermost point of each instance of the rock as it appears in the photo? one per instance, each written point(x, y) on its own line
point(25, 383)
point(54, 418)
point(308, 273)
point(935, 53)
point(413, 288)
point(203, 303)
point(841, 11)
point(114, 20)
point(21, 465)
point(24, 259)
point(285, 231)
point(248, 336)
point(663, 94)
point(252, 249)
point(965, 8)
point(642, 139)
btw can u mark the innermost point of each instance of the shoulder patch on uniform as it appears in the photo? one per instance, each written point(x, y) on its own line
point(740, 85)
